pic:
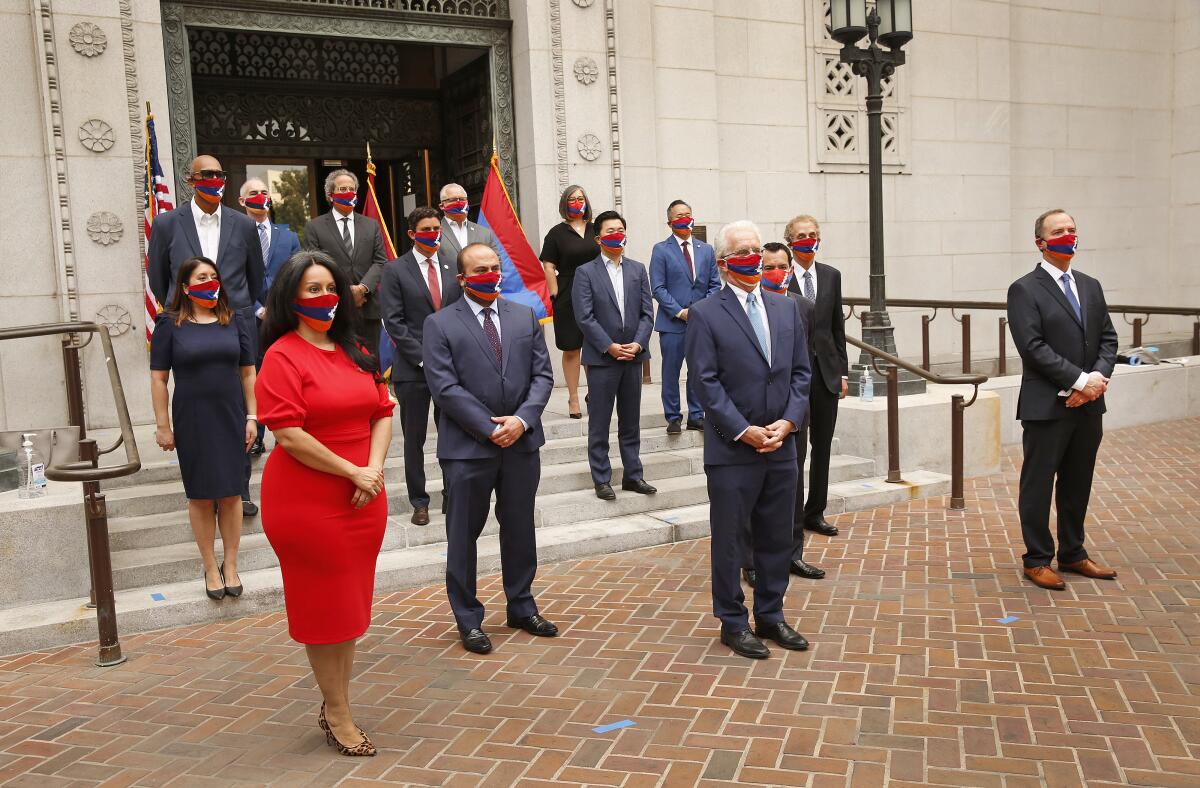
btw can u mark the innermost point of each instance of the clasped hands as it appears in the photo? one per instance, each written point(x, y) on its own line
point(769, 438)
point(360, 294)
point(368, 482)
point(509, 429)
point(625, 352)
point(1096, 385)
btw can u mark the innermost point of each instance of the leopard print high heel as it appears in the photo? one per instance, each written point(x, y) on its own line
point(364, 749)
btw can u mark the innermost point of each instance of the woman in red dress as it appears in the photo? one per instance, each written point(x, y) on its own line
point(324, 509)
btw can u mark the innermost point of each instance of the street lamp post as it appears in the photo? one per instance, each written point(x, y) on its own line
point(889, 22)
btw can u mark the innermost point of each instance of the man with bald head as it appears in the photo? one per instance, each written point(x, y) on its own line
point(203, 227)
point(457, 230)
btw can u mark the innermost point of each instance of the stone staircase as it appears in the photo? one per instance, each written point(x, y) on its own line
point(156, 569)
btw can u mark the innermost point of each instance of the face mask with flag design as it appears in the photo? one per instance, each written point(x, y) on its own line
point(317, 312)
point(204, 293)
point(805, 249)
point(346, 199)
point(259, 202)
point(210, 189)
point(485, 287)
point(1062, 248)
point(745, 270)
point(428, 240)
point(576, 208)
point(683, 225)
point(457, 209)
point(613, 240)
point(777, 280)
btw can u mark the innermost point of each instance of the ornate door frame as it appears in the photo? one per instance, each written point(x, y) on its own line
point(283, 16)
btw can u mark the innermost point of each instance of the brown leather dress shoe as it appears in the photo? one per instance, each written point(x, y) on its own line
point(1045, 577)
point(420, 516)
point(1088, 568)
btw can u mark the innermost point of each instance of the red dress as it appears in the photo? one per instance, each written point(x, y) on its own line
point(326, 547)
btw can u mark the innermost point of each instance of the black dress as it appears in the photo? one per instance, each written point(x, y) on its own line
point(208, 409)
point(567, 251)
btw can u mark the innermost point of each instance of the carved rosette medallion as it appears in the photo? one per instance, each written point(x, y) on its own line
point(96, 135)
point(588, 147)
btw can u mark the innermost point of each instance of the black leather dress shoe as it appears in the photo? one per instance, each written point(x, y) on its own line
point(534, 625)
point(745, 644)
point(782, 634)
point(821, 527)
point(750, 576)
point(257, 447)
point(695, 424)
point(605, 492)
point(674, 427)
point(420, 516)
point(638, 486)
point(806, 570)
point(249, 508)
point(475, 641)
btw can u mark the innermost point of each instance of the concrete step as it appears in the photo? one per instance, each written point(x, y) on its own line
point(171, 604)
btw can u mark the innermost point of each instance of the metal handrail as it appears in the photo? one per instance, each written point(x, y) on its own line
point(957, 405)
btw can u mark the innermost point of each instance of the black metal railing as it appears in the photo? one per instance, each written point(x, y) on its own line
point(88, 470)
point(958, 404)
point(1143, 313)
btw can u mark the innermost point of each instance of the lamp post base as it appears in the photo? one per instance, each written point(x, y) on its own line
point(877, 331)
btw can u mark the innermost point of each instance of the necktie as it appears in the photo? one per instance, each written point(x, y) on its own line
point(263, 240)
point(493, 336)
point(756, 322)
point(809, 293)
point(346, 235)
point(435, 287)
point(687, 255)
point(1071, 299)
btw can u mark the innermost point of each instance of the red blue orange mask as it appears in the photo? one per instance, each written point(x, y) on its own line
point(457, 209)
point(576, 208)
point(805, 249)
point(210, 189)
point(745, 270)
point(485, 287)
point(205, 293)
point(259, 202)
point(317, 312)
point(346, 199)
point(777, 280)
point(615, 240)
point(428, 240)
point(683, 225)
point(1062, 248)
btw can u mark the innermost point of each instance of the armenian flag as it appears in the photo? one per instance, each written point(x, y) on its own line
point(524, 278)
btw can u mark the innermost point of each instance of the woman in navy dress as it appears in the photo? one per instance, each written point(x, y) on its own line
point(212, 423)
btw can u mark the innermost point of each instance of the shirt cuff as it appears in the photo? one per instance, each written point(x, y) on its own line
point(680, 312)
point(523, 423)
point(1080, 382)
point(740, 434)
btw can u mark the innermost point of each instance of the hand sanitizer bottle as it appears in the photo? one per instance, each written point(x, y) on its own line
point(866, 387)
point(32, 471)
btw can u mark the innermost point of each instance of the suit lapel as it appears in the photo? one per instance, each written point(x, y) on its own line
point(337, 249)
point(632, 296)
point(226, 233)
point(449, 238)
point(467, 315)
point(1047, 282)
point(774, 317)
point(733, 306)
point(415, 268)
point(602, 273)
point(508, 329)
point(189, 229)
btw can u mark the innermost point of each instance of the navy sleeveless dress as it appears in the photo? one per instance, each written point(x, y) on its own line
point(208, 408)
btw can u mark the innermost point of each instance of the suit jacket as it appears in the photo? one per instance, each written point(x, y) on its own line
point(673, 288)
point(284, 244)
point(475, 234)
point(470, 386)
point(405, 302)
point(829, 326)
point(595, 305)
point(1054, 346)
point(365, 266)
point(736, 385)
point(239, 255)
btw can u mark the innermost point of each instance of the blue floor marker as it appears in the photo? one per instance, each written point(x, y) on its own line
point(1008, 619)
point(612, 726)
point(158, 597)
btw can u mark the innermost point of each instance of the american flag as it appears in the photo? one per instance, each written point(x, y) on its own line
point(158, 200)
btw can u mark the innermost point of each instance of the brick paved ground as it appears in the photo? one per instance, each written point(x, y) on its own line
point(911, 678)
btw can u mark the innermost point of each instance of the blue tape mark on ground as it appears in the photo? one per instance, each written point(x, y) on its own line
point(612, 726)
point(1008, 619)
point(158, 597)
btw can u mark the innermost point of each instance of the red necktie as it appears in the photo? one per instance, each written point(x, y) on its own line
point(688, 256)
point(435, 287)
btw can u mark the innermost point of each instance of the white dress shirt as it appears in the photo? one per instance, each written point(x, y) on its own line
point(337, 216)
point(800, 271)
point(460, 232)
point(691, 251)
point(208, 228)
point(1055, 274)
point(477, 309)
point(618, 283)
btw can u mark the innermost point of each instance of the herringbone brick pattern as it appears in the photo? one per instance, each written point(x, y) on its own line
point(912, 679)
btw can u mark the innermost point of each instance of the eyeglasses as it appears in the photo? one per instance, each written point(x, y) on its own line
point(210, 174)
point(743, 252)
point(451, 199)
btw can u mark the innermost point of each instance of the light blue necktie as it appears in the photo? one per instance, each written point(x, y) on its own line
point(1071, 299)
point(756, 322)
point(263, 241)
point(809, 293)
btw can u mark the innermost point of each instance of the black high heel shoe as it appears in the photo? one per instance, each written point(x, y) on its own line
point(217, 595)
point(233, 591)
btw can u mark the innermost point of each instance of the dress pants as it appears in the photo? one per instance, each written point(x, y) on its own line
point(414, 398)
point(619, 384)
point(514, 477)
point(759, 493)
point(822, 416)
point(797, 515)
point(672, 364)
point(1064, 448)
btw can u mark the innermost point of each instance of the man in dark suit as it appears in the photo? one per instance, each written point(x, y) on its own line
point(777, 274)
point(749, 355)
point(487, 366)
point(611, 298)
point(355, 243)
point(204, 227)
point(457, 230)
point(821, 284)
point(415, 286)
point(1061, 327)
point(278, 243)
point(683, 270)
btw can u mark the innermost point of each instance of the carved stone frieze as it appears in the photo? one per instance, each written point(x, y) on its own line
point(559, 93)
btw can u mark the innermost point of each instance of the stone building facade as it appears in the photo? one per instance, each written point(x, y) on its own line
point(1006, 107)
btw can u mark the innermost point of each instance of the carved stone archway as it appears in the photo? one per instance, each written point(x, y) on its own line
point(479, 23)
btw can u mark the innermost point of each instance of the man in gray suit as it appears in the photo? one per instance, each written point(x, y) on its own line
point(487, 366)
point(457, 230)
point(355, 243)
point(611, 296)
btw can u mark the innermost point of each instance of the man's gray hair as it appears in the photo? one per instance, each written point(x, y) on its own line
point(246, 186)
point(732, 227)
point(333, 176)
point(448, 187)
